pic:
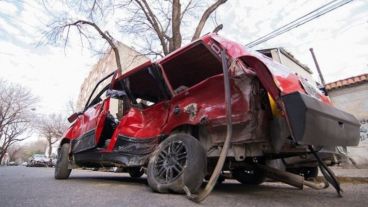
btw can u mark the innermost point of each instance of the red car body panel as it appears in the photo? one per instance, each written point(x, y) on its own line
point(91, 119)
point(207, 107)
point(144, 123)
point(141, 124)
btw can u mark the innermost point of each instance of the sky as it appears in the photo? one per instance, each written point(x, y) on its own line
point(339, 38)
point(54, 74)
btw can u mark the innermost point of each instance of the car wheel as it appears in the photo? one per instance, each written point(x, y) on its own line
point(179, 161)
point(136, 172)
point(249, 176)
point(61, 168)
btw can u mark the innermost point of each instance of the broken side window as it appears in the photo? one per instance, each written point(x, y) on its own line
point(144, 88)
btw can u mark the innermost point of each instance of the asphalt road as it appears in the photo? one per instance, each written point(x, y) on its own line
point(22, 186)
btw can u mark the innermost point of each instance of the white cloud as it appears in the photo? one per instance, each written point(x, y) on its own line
point(9, 28)
point(53, 76)
point(8, 8)
point(339, 38)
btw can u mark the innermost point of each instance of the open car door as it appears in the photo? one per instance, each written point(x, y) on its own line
point(92, 121)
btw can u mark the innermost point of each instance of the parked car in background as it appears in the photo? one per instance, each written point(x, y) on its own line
point(172, 119)
point(12, 163)
point(39, 160)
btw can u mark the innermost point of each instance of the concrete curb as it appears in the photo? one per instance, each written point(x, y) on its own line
point(353, 180)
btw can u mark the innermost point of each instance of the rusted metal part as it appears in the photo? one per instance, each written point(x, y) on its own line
point(316, 186)
point(251, 129)
point(290, 178)
point(283, 176)
point(191, 109)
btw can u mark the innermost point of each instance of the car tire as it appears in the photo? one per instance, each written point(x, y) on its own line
point(61, 168)
point(179, 161)
point(136, 172)
point(251, 176)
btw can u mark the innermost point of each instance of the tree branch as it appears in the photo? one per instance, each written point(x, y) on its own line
point(151, 18)
point(204, 18)
point(105, 36)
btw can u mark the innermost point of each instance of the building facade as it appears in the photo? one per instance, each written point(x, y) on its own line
point(129, 59)
point(284, 57)
point(351, 95)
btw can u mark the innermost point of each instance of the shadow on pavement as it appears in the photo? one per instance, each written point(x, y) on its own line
point(110, 179)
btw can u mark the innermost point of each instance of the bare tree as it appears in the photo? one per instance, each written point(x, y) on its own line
point(14, 151)
point(70, 107)
point(34, 147)
point(59, 28)
point(164, 20)
point(52, 127)
point(16, 105)
point(157, 25)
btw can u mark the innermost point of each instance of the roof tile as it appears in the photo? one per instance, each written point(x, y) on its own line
point(347, 82)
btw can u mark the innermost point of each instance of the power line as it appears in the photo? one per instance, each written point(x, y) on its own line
point(300, 21)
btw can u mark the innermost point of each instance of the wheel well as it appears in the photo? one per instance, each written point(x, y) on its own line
point(193, 130)
point(63, 141)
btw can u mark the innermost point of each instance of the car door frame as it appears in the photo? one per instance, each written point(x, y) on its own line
point(92, 120)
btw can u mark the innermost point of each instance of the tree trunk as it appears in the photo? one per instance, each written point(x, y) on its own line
point(49, 151)
point(1, 157)
point(175, 26)
point(2, 153)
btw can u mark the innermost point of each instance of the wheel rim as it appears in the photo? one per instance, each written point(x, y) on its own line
point(170, 162)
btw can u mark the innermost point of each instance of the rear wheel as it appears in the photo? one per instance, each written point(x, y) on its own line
point(136, 172)
point(61, 168)
point(179, 161)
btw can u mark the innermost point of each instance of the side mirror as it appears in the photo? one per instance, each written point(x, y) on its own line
point(115, 93)
point(73, 117)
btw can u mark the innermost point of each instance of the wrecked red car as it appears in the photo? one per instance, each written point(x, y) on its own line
point(210, 110)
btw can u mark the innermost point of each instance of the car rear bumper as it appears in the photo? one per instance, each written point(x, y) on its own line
point(315, 123)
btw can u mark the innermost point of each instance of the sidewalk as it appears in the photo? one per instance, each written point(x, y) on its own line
point(350, 175)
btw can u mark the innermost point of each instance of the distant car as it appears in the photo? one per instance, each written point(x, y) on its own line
point(39, 160)
point(12, 164)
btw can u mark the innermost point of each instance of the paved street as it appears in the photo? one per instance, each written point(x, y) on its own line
point(22, 186)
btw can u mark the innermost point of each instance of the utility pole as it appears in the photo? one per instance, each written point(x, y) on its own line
point(318, 70)
point(317, 66)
